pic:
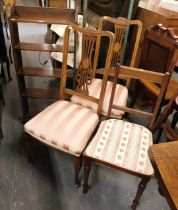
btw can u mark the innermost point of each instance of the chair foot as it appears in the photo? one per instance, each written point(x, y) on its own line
point(77, 167)
point(87, 167)
point(139, 193)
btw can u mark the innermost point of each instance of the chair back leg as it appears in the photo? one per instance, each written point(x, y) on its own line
point(87, 167)
point(140, 191)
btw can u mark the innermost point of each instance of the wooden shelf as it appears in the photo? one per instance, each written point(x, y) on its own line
point(41, 47)
point(43, 72)
point(38, 15)
point(43, 15)
point(40, 93)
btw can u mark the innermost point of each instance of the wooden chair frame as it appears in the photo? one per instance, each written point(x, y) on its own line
point(121, 26)
point(140, 74)
point(85, 72)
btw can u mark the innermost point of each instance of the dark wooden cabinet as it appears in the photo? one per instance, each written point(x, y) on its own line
point(43, 16)
point(159, 50)
point(150, 15)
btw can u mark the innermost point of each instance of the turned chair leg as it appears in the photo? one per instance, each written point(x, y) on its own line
point(87, 167)
point(32, 154)
point(140, 191)
point(77, 167)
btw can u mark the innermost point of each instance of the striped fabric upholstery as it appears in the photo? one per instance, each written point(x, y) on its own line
point(64, 125)
point(121, 96)
point(122, 144)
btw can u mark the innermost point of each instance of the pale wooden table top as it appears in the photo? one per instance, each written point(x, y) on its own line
point(164, 158)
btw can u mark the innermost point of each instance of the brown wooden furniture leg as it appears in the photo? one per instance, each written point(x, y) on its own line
point(32, 154)
point(77, 167)
point(87, 167)
point(25, 109)
point(10, 53)
point(140, 191)
point(1, 103)
point(8, 69)
point(1, 110)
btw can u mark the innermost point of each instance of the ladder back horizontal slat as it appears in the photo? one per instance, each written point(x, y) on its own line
point(133, 111)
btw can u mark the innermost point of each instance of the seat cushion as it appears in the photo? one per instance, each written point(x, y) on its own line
point(120, 98)
point(122, 144)
point(64, 125)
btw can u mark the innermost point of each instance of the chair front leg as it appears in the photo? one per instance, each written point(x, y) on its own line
point(87, 167)
point(77, 167)
point(140, 191)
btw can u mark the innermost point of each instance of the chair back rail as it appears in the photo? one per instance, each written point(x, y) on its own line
point(140, 74)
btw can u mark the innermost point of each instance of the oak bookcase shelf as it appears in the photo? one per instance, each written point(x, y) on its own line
point(40, 47)
point(43, 72)
point(43, 16)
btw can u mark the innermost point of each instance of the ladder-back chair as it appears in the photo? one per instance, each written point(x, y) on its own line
point(123, 145)
point(64, 125)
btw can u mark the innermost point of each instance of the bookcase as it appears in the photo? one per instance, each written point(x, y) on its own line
point(43, 16)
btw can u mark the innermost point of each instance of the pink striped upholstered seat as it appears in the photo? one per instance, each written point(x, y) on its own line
point(122, 144)
point(121, 96)
point(64, 125)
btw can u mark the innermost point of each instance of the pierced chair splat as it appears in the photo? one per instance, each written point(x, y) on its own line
point(123, 145)
point(65, 125)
